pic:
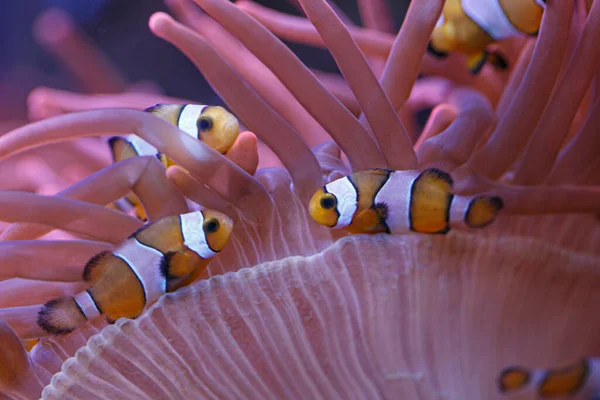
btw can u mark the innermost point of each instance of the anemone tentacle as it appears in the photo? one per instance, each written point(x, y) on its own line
point(45, 259)
point(142, 175)
point(292, 309)
point(194, 156)
point(331, 114)
point(69, 215)
point(454, 145)
point(257, 75)
point(252, 109)
point(537, 159)
point(526, 110)
point(401, 71)
point(74, 50)
point(385, 124)
point(578, 162)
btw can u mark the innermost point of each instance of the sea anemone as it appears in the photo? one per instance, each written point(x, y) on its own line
point(292, 309)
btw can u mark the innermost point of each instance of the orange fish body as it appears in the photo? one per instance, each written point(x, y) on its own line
point(157, 259)
point(469, 26)
point(212, 125)
point(383, 200)
point(578, 381)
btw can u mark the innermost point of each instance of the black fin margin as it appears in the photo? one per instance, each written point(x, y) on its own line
point(44, 316)
point(92, 263)
point(582, 381)
point(495, 201)
point(440, 174)
point(508, 370)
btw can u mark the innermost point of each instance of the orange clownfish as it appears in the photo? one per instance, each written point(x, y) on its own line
point(469, 26)
point(160, 257)
point(383, 200)
point(578, 381)
point(212, 125)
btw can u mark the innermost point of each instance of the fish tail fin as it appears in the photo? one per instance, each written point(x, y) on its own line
point(513, 378)
point(482, 211)
point(61, 316)
point(476, 61)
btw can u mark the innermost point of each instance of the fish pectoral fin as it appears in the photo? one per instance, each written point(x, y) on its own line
point(476, 61)
point(180, 264)
point(498, 60)
point(140, 212)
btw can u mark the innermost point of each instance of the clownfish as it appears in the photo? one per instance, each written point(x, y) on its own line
point(469, 26)
point(384, 200)
point(578, 381)
point(160, 257)
point(212, 125)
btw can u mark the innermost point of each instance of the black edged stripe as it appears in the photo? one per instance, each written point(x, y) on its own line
point(381, 208)
point(94, 301)
point(179, 115)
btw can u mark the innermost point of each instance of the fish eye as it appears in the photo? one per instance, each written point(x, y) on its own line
point(328, 201)
point(211, 225)
point(205, 124)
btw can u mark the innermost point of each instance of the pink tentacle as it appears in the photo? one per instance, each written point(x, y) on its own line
point(454, 146)
point(300, 30)
point(544, 145)
point(18, 374)
point(579, 161)
point(45, 102)
point(538, 200)
point(440, 119)
point(196, 191)
point(404, 63)
point(255, 73)
point(514, 130)
point(391, 136)
point(338, 86)
point(11, 291)
point(362, 152)
point(376, 14)
point(255, 113)
point(69, 215)
point(516, 78)
point(145, 176)
point(23, 320)
point(55, 30)
point(47, 260)
point(196, 157)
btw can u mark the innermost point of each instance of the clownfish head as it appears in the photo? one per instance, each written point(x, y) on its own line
point(217, 228)
point(218, 128)
point(206, 232)
point(334, 204)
